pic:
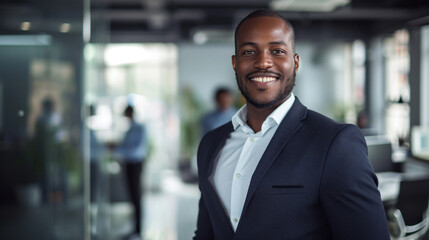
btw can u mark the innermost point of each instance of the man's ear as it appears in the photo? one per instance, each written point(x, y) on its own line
point(296, 60)
point(233, 61)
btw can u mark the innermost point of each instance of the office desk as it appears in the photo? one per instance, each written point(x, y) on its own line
point(389, 182)
point(388, 185)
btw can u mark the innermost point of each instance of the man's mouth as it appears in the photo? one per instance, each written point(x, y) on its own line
point(263, 79)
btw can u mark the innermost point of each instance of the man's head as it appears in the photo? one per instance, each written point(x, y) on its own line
point(265, 13)
point(48, 105)
point(265, 62)
point(223, 98)
point(129, 112)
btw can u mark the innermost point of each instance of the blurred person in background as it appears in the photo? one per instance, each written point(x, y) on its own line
point(133, 150)
point(279, 170)
point(223, 112)
point(49, 123)
point(362, 121)
point(46, 144)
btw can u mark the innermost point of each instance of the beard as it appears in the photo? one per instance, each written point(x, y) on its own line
point(279, 97)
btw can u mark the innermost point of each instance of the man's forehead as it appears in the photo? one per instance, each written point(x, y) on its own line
point(264, 27)
point(264, 23)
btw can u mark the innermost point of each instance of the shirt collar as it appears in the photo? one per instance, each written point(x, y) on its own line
point(240, 117)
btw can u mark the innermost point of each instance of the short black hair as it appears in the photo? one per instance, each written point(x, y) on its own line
point(129, 110)
point(265, 13)
point(48, 105)
point(221, 90)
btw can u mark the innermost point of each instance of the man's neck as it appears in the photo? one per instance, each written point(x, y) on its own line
point(256, 116)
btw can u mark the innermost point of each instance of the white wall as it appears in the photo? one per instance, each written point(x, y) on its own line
point(203, 68)
point(320, 80)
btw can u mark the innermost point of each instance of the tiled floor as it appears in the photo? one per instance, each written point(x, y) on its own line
point(171, 213)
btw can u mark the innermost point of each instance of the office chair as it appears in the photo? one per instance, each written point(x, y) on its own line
point(409, 218)
point(380, 153)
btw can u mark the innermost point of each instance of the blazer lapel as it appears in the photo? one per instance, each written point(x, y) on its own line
point(287, 128)
point(213, 196)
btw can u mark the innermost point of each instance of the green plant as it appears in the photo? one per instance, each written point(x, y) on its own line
point(190, 123)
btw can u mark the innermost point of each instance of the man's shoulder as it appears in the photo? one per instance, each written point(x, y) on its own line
point(311, 118)
point(324, 123)
point(137, 126)
point(212, 140)
point(219, 132)
point(319, 118)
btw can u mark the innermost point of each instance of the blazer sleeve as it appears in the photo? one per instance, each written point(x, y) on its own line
point(204, 229)
point(348, 193)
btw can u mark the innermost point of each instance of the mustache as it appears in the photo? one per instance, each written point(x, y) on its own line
point(263, 72)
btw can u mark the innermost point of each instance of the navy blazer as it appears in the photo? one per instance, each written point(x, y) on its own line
point(314, 181)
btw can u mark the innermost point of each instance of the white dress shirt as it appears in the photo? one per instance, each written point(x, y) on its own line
point(240, 156)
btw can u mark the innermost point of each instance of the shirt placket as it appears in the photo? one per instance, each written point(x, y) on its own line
point(240, 180)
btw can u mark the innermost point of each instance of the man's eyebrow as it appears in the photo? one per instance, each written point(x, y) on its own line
point(278, 43)
point(271, 43)
point(247, 43)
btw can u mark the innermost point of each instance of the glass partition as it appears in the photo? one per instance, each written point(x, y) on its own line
point(42, 171)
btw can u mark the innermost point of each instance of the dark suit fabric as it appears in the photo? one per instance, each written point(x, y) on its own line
point(314, 181)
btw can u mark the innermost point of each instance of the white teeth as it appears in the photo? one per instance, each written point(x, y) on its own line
point(263, 79)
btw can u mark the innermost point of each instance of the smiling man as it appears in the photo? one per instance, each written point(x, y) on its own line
point(278, 170)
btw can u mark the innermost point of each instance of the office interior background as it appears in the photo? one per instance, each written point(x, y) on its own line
point(90, 58)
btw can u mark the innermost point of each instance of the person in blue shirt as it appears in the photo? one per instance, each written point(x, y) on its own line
point(133, 151)
point(223, 112)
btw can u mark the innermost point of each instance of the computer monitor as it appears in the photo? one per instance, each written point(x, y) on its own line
point(420, 142)
point(380, 153)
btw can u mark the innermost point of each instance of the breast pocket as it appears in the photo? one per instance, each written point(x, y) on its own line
point(286, 189)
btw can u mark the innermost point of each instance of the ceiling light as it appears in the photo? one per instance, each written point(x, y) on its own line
point(65, 27)
point(204, 35)
point(200, 38)
point(25, 40)
point(122, 54)
point(307, 5)
point(25, 26)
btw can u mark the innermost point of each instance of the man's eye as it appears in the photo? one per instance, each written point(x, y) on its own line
point(278, 51)
point(248, 52)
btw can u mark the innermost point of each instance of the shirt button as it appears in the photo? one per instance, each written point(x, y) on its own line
point(238, 175)
point(252, 139)
point(235, 220)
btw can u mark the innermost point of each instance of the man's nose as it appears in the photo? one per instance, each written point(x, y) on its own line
point(264, 61)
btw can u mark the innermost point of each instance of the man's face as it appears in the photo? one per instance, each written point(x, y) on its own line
point(265, 64)
point(224, 100)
